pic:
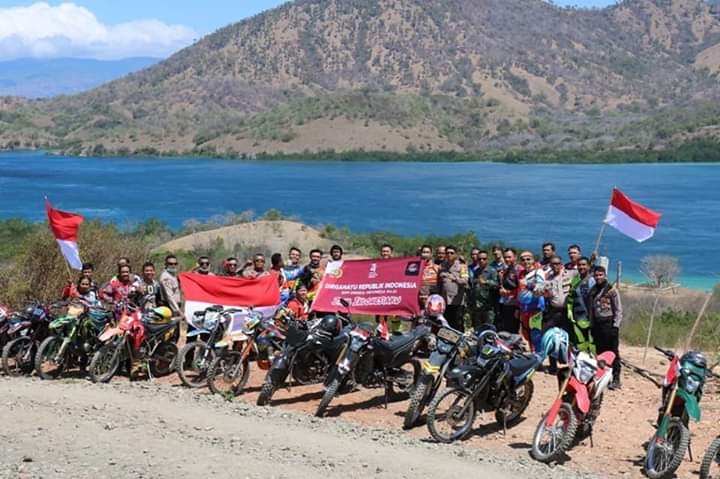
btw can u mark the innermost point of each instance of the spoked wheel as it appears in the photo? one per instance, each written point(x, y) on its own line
point(664, 455)
point(418, 400)
point(405, 377)
point(193, 363)
point(105, 363)
point(227, 375)
point(162, 360)
point(47, 364)
point(451, 415)
point(710, 468)
point(18, 356)
point(549, 442)
point(517, 404)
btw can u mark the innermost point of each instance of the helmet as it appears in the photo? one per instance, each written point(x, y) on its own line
point(329, 326)
point(435, 305)
point(694, 358)
point(163, 312)
point(556, 344)
point(34, 312)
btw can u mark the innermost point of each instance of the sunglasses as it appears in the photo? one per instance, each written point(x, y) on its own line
point(172, 264)
point(526, 259)
point(204, 263)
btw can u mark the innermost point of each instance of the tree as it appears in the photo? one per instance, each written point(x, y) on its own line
point(661, 270)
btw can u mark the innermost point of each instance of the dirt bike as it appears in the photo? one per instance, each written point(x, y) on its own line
point(195, 357)
point(307, 356)
point(371, 361)
point(138, 337)
point(28, 330)
point(499, 380)
point(576, 407)
point(8, 319)
point(711, 461)
point(253, 337)
point(682, 391)
point(73, 338)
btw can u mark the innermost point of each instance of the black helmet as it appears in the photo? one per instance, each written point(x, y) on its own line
point(34, 312)
point(694, 358)
point(329, 326)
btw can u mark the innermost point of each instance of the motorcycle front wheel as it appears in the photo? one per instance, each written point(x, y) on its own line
point(193, 363)
point(664, 455)
point(516, 405)
point(418, 400)
point(451, 415)
point(227, 375)
point(710, 468)
point(549, 442)
point(45, 360)
point(105, 363)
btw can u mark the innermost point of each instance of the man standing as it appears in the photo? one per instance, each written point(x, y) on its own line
point(336, 252)
point(483, 295)
point(88, 269)
point(509, 283)
point(474, 262)
point(202, 266)
point(312, 273)
point(498, 263)
point(230, 267)
point(548, 253)
point(574, 254)
point(530, 298)
point(440, 255)
point(256, 268)
point(606, 318)
point(386, 251)
point(171, 285)
point(577, 308)
point(429, 283)
point(120, 287)
point(149, 292)
point(454, 278)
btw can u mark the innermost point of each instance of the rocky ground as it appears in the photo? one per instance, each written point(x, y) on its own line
point(74, 429)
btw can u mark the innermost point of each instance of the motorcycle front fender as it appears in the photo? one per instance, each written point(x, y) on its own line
point(582, 398)
point(197, 332)
point(552, 413)
point(109, 334)
point(692, 406)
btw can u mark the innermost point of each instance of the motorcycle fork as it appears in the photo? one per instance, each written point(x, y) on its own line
point(65, 344)
point(662, 427)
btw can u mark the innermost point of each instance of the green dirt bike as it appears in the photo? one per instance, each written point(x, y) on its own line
point(682, 391)
point(73, 338)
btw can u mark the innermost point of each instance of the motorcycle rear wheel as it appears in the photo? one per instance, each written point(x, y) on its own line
point(105, 363)
point(45, 364)
point(710, 468)
point(447, 410)
point(193, 363)
point(562, 434)
point(665, 456)
point(162, 361)
point(18, 356)
point(408, 374)
point(516, 405)
point(227, 375)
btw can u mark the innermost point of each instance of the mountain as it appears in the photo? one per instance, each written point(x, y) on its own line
point(407, 75)
point(41, 78)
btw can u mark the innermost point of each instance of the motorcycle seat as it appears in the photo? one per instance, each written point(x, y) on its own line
point(512, 340)
point(521, 364)
point(396, 343)
point(158, 328)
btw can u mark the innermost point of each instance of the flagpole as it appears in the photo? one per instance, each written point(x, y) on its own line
point(596, 250)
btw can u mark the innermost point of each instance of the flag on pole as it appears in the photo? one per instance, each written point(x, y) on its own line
point(65, 227)
point(630, 218)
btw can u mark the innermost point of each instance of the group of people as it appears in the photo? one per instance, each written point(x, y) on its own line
point(528, 294)
point(515, 293)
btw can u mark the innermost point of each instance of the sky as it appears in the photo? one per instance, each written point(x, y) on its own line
point(111, 29)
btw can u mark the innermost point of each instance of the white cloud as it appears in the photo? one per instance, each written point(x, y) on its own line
point(68, 30)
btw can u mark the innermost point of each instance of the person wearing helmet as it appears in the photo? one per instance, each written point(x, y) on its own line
point(149, 293)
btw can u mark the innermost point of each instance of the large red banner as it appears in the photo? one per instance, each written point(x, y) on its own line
point(372, 286)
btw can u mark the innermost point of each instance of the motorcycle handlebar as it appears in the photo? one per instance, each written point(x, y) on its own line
point(667, 353)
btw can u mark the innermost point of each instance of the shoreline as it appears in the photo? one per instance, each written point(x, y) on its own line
point(696, 152)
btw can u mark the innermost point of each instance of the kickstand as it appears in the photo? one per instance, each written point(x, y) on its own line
point(690, 451)
point(387, 393)
point(592, 443)
point(504, 425)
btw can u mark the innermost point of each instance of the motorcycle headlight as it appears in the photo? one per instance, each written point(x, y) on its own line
point(691, 384)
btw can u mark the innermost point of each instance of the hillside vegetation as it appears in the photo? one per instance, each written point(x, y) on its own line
point(407, 76)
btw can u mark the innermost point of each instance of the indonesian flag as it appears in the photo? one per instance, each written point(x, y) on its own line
point(631, 218)
point(65, 227)
point(202, 291)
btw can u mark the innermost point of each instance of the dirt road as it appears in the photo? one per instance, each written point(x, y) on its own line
point(74, 429)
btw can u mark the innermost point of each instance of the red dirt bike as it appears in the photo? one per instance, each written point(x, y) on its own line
point(148, 338)
point(577, 405)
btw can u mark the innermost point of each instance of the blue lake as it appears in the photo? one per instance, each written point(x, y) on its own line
point(521, 204)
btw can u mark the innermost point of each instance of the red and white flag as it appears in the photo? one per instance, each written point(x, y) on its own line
point(202, 291)
point(65, 227)
point(631, 218)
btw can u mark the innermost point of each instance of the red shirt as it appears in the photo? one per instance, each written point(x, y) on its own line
point(298, 309)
